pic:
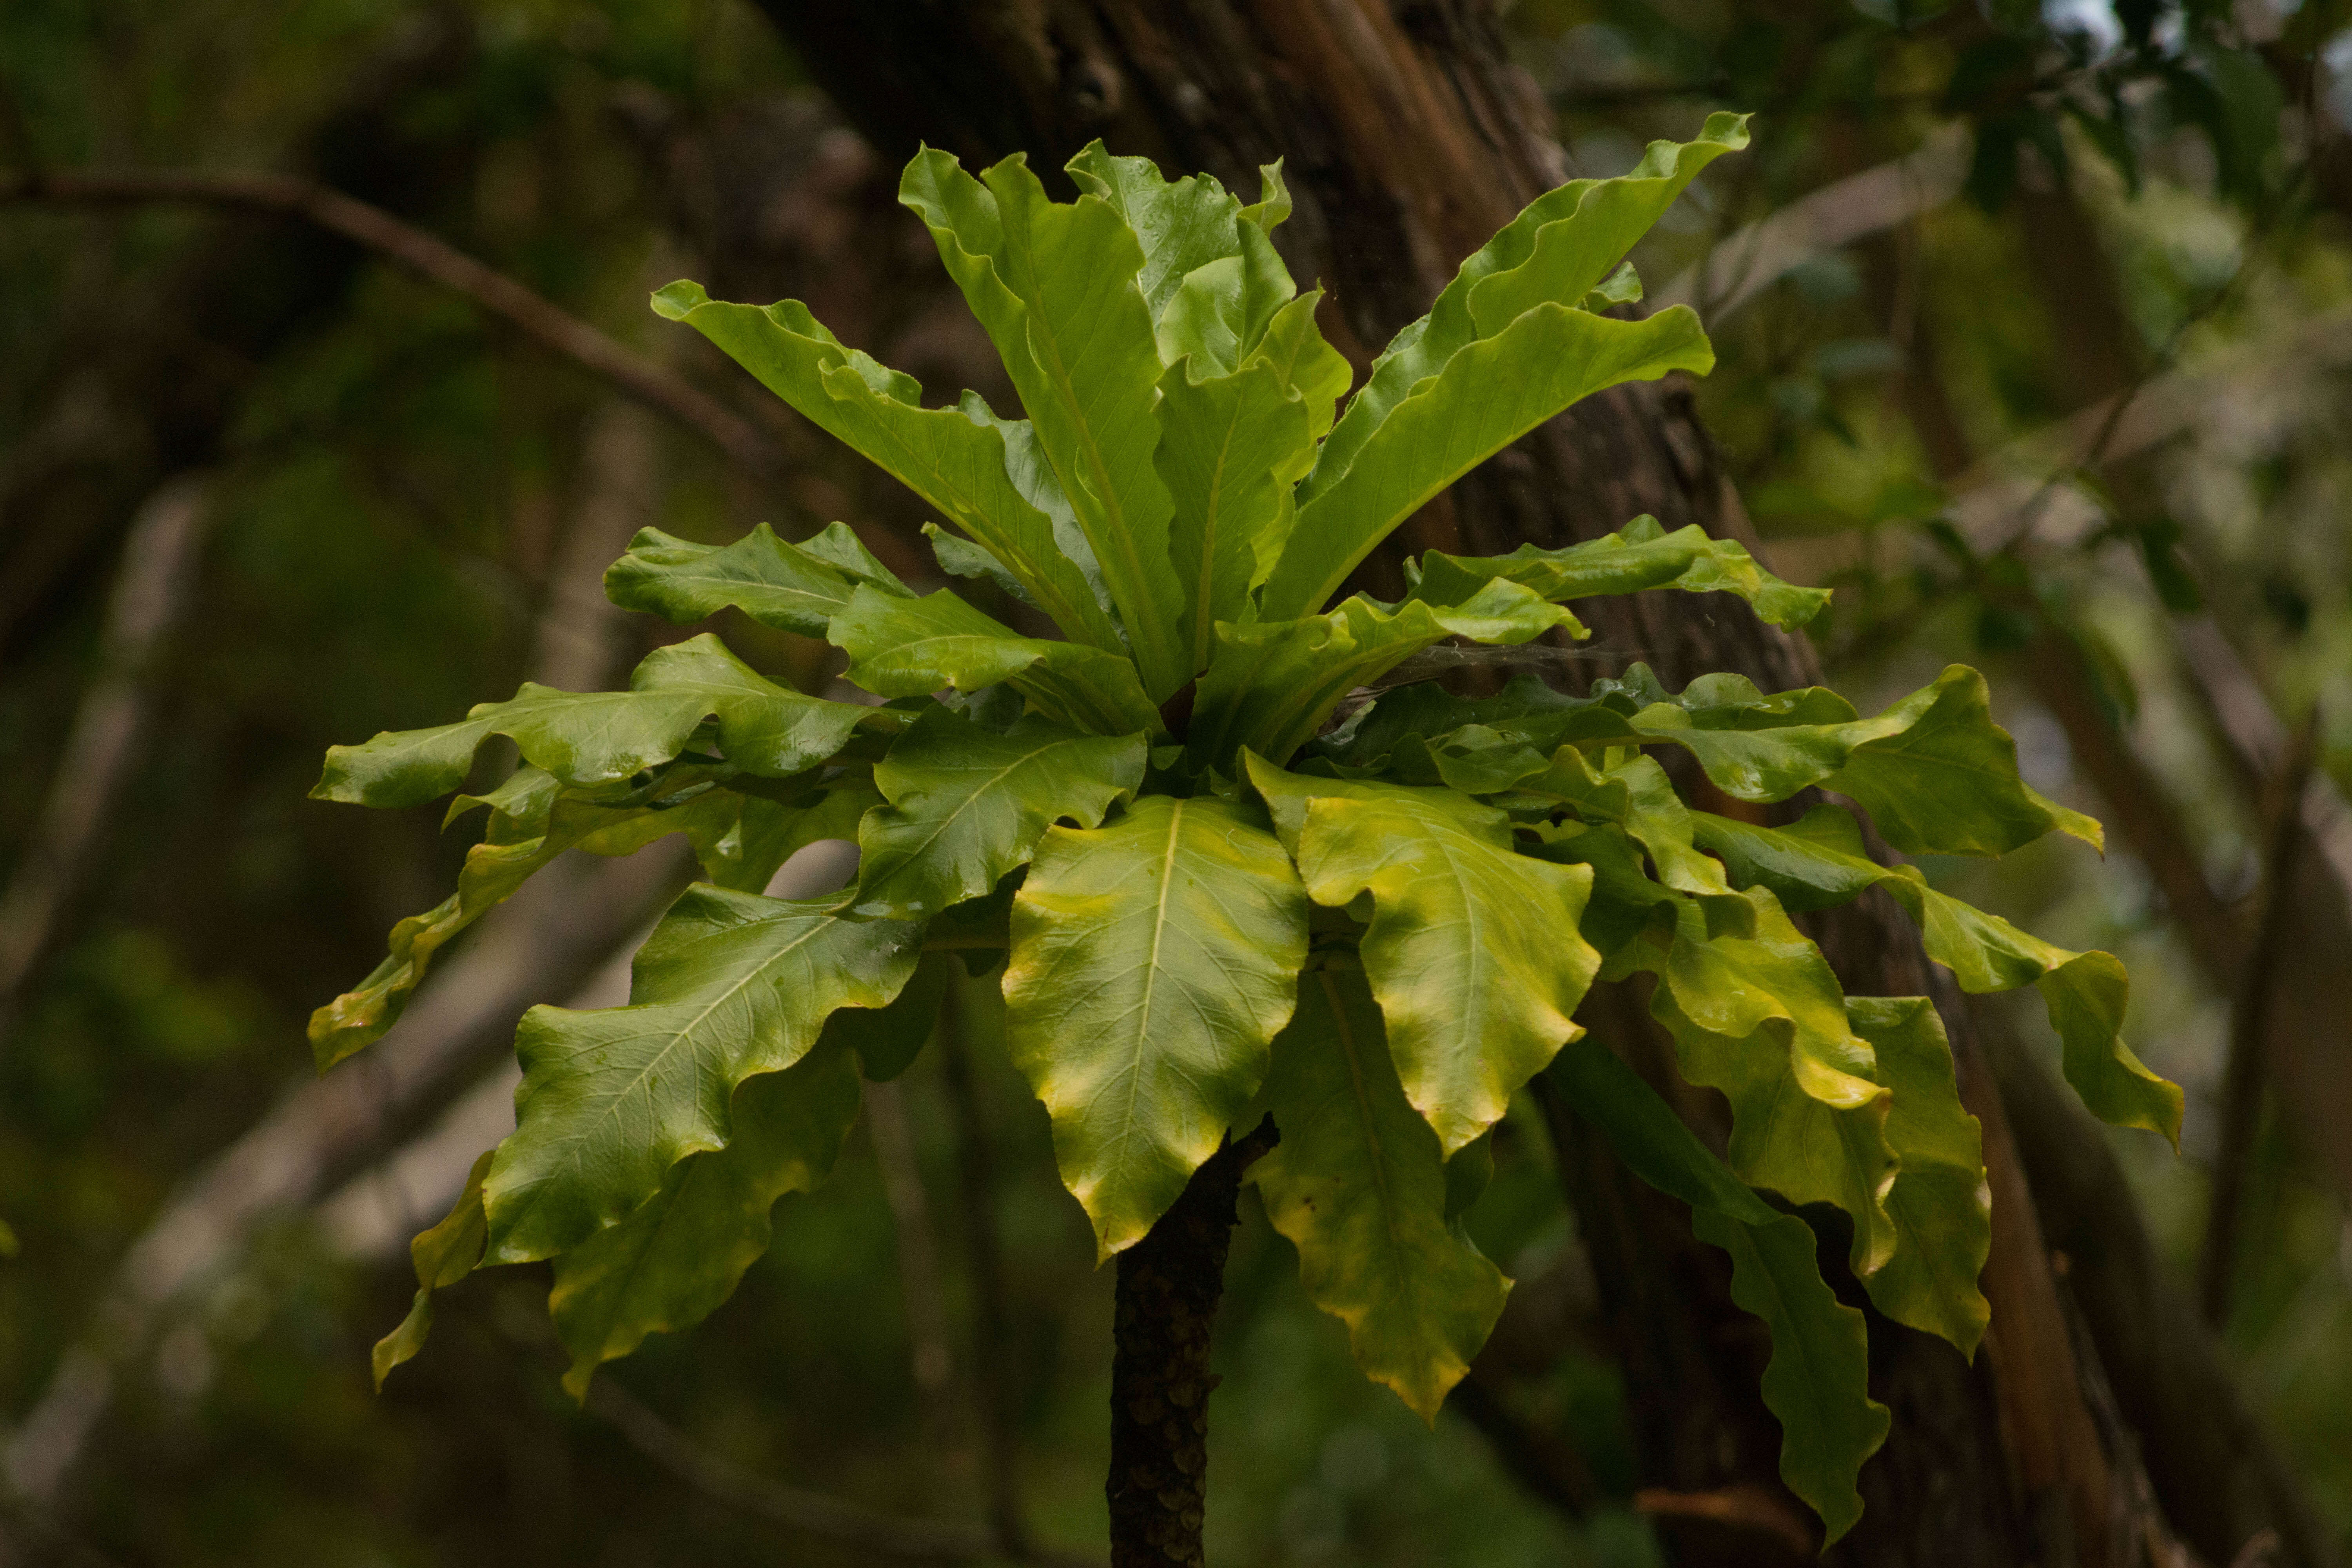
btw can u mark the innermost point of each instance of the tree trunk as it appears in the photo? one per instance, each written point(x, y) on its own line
point(1407, 139)
point(1166, 1305)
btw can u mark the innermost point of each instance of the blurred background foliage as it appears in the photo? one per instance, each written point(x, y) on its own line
point(1991, 220)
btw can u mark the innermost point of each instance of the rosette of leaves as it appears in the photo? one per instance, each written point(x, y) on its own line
point(1222, 883)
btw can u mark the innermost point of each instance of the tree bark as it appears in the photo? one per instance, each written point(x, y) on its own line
point(1407, 139)
point(1166, 1306)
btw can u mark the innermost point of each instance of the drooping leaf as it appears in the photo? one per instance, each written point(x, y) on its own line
point(675, 1258)
point(442, 1256)
point(1940, 1203)
point(1818, 1381)
point(908, 647)
point(955, 462)
point(1472, 947)
point(1821, 861)
point(602, 737)
point(1639, 557)
point(1762, 1018)
point(1153, 961)
point(1359, 1185)
point(545, 820)
point(967, 805)
point(730, 985)
point(792, 587)
point(1057, 287)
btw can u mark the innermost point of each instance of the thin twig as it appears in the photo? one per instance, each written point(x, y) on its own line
point(429, 258)
point(794, 1507)
point(991, 1363)
point(2241, 1080)
point(918, 1256)
point(151, 592)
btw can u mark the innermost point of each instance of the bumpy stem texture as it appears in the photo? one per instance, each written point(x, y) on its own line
point(1168, 1284)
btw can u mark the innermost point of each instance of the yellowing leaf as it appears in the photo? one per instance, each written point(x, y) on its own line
point(1473, 948)
point(1153, 961)
point(1359, 1186)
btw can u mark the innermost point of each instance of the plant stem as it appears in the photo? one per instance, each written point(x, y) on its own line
point(1168, 1284)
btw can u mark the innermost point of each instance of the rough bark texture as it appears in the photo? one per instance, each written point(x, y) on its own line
point(1168, 1284)
point(1407, 139)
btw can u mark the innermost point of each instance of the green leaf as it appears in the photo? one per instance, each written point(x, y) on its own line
point(520, 844)
point(1294, 346)
point(1359, 1185)
point(910, 647)
point(1821, 861)
point(1270, 685)
point(1153, 961)
point(1489, 395)
point(1055, 287)
point(1505, 347)
point(1472, 947)
point(672, 1260)
point(888, 1039)
point(730, 985)
point(958, 463)
point(1940, 1203)
point(1639, 557)
point(1818, 1381)
point(966, 805)
point(1230, 449)
point(1423, 349)
point(791, 587)
point(1182, 224)
point(1762, 1018)
point(442, 1256)
point(602, 737)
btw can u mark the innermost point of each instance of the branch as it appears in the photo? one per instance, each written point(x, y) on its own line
point(1745, 263)
point(429, 258)
point(807, 1512)
point(2250, 1024)
point(151, 592)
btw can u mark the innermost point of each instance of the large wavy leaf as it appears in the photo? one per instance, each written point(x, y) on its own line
point(1472, 947)
point(602, 737)
point(1359, 1185)
point(1489, 395)
point(1153, 959)
point(673, 1259)
point(1821, 861)
point(729, 986)
point(1818, 1381)
point(956, 462)
point(1638, 556)
point(1055, 287)
point(967, 805)
point(1762, 1018)
point(1940, 1203)
point(1574, 252)
point(792, 587)
point(910, 648)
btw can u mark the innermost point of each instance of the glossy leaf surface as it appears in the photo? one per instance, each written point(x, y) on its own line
point(1153, 961)
point(1359, 1185)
